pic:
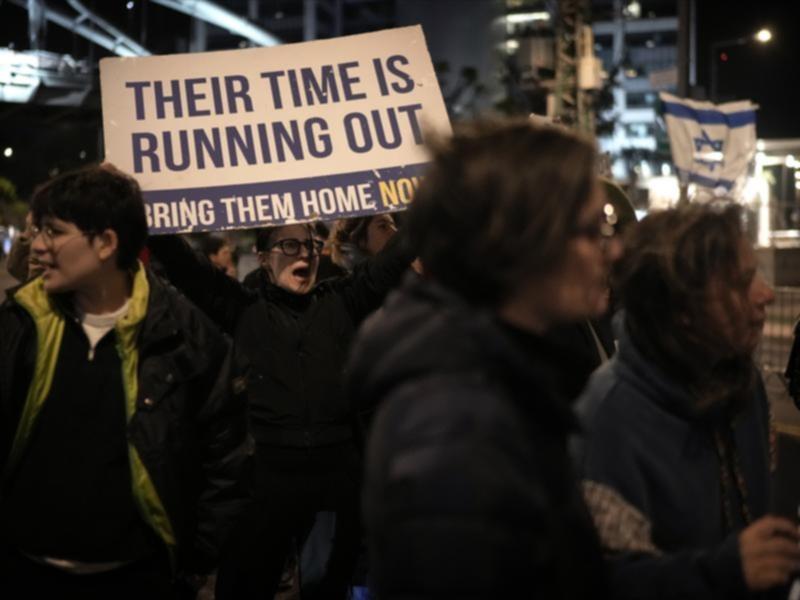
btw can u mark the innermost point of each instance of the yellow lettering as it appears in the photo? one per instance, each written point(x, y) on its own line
point(388, 193)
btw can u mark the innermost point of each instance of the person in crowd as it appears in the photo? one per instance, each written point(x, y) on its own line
point(792, 372)
point(593, 339)
point(220, 253)
point(294, 335)
point(21, 263)
point(469, 491)
point(327, 268)
point(355, 240)
point(676, 459)
point(351, 242)
point(122, 440)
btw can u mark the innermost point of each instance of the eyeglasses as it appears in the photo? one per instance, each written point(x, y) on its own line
point(50, 235)
point(603, 229)
point(292, 246)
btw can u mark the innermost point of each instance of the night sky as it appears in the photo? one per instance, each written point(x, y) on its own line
point(766, 74)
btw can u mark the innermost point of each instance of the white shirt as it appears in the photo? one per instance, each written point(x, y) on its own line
point(97, 326)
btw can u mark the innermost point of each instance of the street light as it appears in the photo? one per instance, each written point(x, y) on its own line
point(762, 36)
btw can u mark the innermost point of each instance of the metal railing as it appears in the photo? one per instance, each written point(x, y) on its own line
point(776, 343)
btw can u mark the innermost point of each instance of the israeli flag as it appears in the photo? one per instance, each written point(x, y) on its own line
point(712, 144)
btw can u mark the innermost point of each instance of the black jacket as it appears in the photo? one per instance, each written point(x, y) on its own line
point(469, 491)
point(188, 426)
point(294, 345)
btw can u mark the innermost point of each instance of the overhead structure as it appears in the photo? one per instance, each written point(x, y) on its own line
point(213, 13)
point(120, 39)
point(43, 77)
point(53, 79)
point(87, 24)
point(97, 30)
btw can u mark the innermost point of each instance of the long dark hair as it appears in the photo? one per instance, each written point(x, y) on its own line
point(664, 282)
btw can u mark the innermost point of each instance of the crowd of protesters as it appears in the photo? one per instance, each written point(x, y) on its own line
point(505, 395)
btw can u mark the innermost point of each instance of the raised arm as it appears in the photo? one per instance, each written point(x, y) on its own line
point(215, 293)
point(365, 289)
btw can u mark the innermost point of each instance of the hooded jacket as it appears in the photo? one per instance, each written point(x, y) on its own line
point(469, 491)
point(186, 426)
point(652, 479)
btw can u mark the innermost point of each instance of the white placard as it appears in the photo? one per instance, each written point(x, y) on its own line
point(267, 136)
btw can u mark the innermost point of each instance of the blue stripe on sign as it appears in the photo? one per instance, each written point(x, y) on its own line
point(268, 203)
point(727, 184)
point(710, 117)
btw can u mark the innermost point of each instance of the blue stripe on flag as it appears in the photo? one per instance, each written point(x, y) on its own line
point(710, 117)
point(707, 181)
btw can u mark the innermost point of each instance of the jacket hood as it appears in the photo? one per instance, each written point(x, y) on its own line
point(646, 375)
point(670, 393)
point(424, 330)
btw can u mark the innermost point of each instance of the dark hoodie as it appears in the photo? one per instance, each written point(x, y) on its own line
point(654, 482)
point(469, 491)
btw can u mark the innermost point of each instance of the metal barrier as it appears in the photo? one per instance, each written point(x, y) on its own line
point(776, 343)
point(773, 354)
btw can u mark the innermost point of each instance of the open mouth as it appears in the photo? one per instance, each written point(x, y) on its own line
point(301, 272)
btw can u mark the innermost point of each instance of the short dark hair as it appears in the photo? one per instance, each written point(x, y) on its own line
point(97, 198)
point(264, 238)
point(211, 244)
point(349, 241)
point(352, 230)
point(498, 203)
point(663, 281)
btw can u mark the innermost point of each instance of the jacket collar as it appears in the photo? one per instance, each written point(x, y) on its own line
point(36, 301)
point(159, 323)
point(666, 391)
point(39, 303)
point(524, 362)
point(149, 308)
point(278, 295)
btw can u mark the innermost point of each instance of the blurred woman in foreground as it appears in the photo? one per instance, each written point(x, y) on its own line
point(469, 491)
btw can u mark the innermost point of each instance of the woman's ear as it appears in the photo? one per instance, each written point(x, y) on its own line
point(106, 243)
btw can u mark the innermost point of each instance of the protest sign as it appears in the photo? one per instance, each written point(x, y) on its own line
point(268, 136)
